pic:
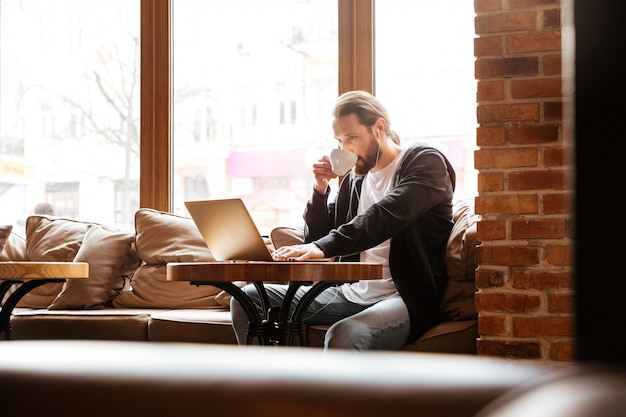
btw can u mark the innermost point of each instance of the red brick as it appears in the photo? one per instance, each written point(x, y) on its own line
point(537, 87)
point(553, 157)
point(533, 42)
point(560, 303)
point(507, 255)
point(505, 158)
point(489, 325)
point(525, 279)
point(486, 68)
point(556, 203)
point(491, 113)
point(490, 181)
point(560, 255)
point(507, 204)
point(519, 63)
point(552, 18)
point(551, 64)
point(552, 110)
point(543, 326)
point(524, 134)
point(537, 180)
point(490, 136)
point(489, 277)
point(570, 229)
point(537, 229)
point(486, 5)
point(521, 4)
point(510, 303)
point(491, 230)
point(490, 91)
point(563, 351)
point(508, 349)
point(488, 46)
point(505, 22)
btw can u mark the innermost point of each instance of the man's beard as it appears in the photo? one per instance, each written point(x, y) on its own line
point(365, 165)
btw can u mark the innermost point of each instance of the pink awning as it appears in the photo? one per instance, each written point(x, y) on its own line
point(270, 163)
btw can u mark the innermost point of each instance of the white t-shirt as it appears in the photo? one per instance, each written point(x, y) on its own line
point(375, 186)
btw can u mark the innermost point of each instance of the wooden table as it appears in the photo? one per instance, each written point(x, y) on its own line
point(276, 325)
point(28, 276)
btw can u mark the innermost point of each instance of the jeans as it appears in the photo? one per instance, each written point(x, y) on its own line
point(383, 325)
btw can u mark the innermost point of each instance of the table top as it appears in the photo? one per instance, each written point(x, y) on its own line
point(228, 271)
point(43, 270)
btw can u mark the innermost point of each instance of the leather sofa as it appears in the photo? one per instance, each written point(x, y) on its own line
point(105, 378)
point(127, 296)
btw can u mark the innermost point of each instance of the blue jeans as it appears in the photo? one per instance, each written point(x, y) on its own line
point(384, 325)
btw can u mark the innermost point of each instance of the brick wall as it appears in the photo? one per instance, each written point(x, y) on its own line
point(524, 276)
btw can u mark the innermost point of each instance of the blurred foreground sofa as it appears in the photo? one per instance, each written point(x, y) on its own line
point(113, 378)
point(127, 296)
point(108, 378)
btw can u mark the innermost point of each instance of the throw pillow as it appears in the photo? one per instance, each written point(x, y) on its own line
point(458, 299)
point(5, 232)
point(162, 237)
point(58, 239)
point(50, 239)
point(105, 251)
point(14, 248)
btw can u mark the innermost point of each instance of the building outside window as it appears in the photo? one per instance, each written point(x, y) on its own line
point(69, 109)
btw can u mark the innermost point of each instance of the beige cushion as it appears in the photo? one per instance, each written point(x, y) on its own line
point(106, 252)
point(58, 239)
point(50, 239)
point(458, 299)
point(5, 232)
point(192, 326)
point(103, 324)
point(162, 237)
point(14, 248)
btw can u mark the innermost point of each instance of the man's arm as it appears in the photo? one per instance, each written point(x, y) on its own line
point(317, 216)
point(424, 182)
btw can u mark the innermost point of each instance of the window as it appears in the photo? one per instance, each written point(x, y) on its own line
point(250, 97)
point(270, 82)
point(428, 83)
point(69, 109)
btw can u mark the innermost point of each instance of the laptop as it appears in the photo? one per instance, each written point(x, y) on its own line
point(228, 230)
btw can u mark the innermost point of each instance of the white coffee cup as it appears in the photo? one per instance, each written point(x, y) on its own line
point(342, 161)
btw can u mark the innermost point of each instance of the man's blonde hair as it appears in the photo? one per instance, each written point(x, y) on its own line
point(367, 108)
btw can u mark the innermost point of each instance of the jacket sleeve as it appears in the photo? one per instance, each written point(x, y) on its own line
point(318, 216)
point(422, 182)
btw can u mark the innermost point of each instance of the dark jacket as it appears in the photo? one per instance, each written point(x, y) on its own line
point(416, 214)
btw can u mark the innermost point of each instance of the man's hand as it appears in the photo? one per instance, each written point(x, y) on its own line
point(323, 174)
point(299, 252)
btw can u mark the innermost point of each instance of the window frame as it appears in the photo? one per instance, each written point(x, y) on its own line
point(356, 72)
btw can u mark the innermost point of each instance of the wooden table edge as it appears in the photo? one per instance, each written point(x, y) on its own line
point(229, 271)
point(43, 270)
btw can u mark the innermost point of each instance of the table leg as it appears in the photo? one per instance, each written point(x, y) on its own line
point(15, 297)
point(257, 327)
point(5, 285)
point(276, 326)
